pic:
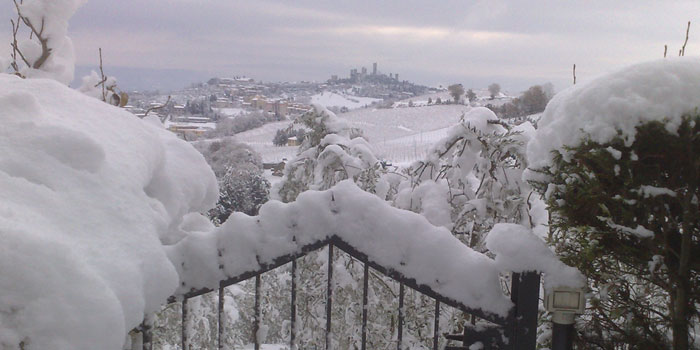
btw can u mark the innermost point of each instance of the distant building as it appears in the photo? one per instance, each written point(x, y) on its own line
point(293, 141)
point(334, 77)
point(277, 107)
point(297, 108)
point(374, 68)
point(222, 102)
point(257, 102)
point(364, 70)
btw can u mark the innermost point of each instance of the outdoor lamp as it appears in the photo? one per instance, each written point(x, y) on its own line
point(564, 303)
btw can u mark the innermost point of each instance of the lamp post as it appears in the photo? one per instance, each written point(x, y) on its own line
point(564, 303)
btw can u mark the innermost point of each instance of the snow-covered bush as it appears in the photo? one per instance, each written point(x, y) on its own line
point(331, 152)
point(103, 88)
point(471, 180)
point(618, 161)
point(231, 126)
point(46, 51)
point(238, 168)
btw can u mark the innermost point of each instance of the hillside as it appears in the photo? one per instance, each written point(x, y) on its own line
point(397, 135)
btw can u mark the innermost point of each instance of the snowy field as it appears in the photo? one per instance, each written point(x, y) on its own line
point(397, 135)
point(333, 99)
point(230, 112)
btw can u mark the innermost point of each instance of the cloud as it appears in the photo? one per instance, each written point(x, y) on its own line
point(450, 40)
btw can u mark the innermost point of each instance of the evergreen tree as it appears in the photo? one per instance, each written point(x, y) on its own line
point(456, 91)
point(494, 89)
point(471, 96)
point(627, 216)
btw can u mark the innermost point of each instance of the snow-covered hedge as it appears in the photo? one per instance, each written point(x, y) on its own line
point(614, 105)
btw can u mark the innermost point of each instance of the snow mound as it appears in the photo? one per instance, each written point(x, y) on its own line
point(90, 195)
point(616, 104)
point(518, 249)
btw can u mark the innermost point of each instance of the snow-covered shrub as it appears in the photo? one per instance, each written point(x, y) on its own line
point(238, 168)
point(618, 161)
point(331, 152)
point(46, 51)
point(231, 126)
point(104, 89)
point(471, 180)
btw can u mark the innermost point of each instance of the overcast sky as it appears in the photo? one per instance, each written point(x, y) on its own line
point(515, 43)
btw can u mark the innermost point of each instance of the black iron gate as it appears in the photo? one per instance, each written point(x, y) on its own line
point(517, 331)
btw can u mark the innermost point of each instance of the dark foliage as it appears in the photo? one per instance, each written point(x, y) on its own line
point(644, 289)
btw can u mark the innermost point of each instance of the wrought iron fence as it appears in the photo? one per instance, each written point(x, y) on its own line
point(517, 331)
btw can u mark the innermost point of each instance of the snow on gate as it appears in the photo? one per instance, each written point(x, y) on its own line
point(398, 243)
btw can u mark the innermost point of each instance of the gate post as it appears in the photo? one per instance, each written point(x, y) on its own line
point(525, 294)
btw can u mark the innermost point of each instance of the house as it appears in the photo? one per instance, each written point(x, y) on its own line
point(276, 107)
point(222, 102)
point(293, 141)
point(178, 110)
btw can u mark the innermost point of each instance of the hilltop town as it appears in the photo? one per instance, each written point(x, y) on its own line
point(194, 110)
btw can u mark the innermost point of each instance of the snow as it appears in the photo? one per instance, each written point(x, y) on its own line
point(91, 85)
point(333, 99)
point(397, 135)
point(230, 112)
point(90, 195)
point(429, 254)
point(196, 125)
point(55, 14)
point(647, 191)
point(518, 249)
point(639, 231)
point(615, 104)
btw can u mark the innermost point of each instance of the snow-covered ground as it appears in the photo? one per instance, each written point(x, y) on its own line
point(396, 134)
point(229, 112)
point(333, 99)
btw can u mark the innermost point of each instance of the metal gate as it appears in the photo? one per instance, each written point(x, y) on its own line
point(517, 331)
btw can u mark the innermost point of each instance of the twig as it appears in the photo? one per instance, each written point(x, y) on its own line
point(687, 31)
point(45, 49)
point(665, 50)
point(157, 107)
point(103, 80)
point(15, 48)
point(574, 73)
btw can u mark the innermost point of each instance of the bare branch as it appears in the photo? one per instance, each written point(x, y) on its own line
point(103, 80)
point(665, 50)
point(45, 49)
point(574, 73)
point(687, 31)
point(158, 107)
point(15, 47)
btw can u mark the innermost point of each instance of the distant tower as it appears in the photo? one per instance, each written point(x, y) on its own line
point(364, 70)
point(374, 68)
point(397, 76)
